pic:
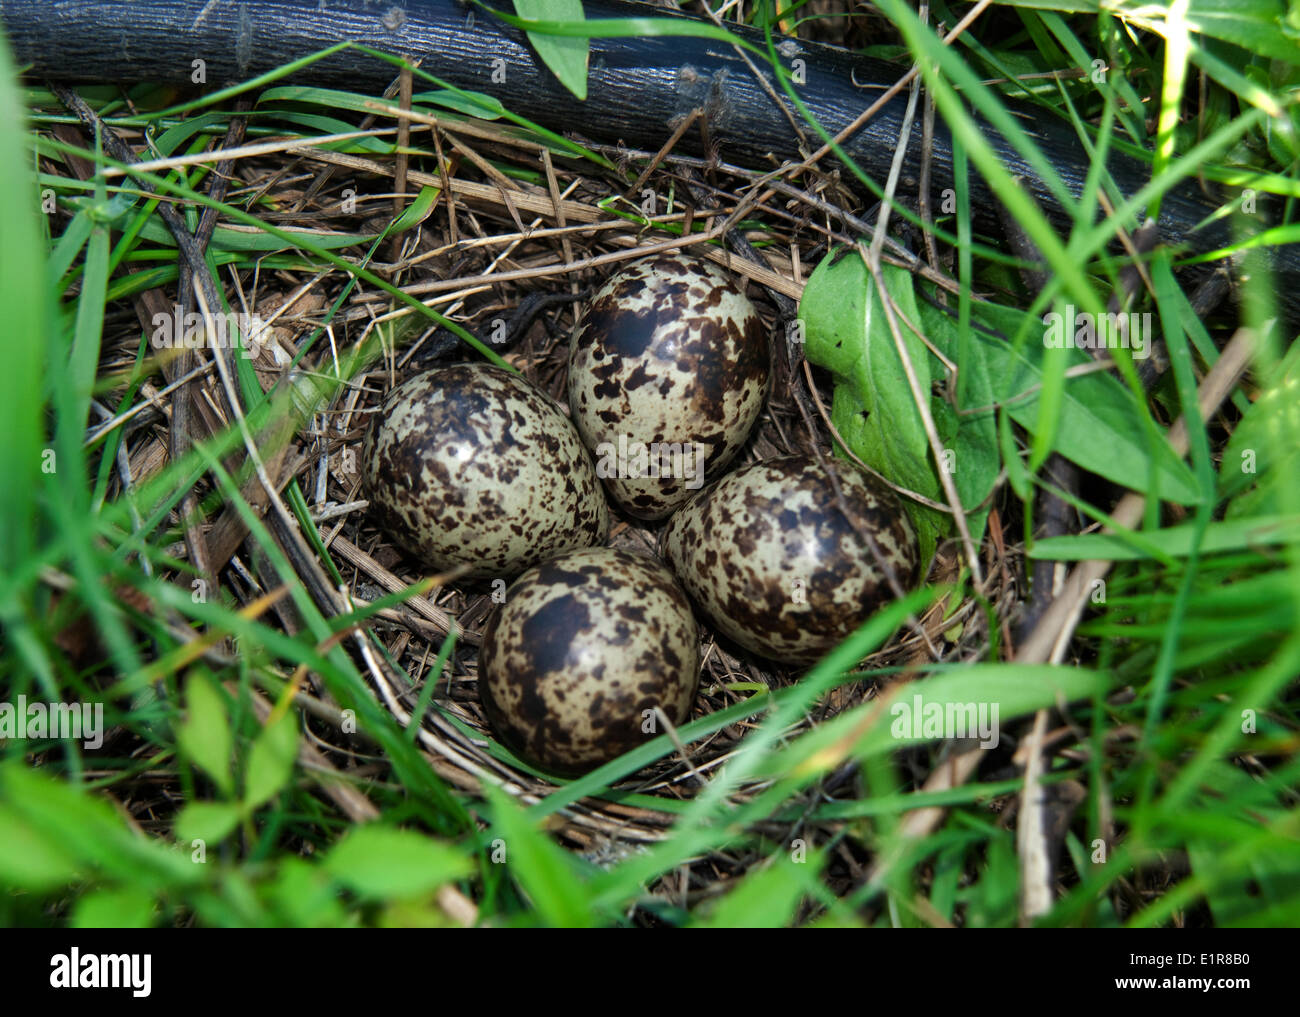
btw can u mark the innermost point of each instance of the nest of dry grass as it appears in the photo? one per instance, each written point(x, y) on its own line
point(490, 242)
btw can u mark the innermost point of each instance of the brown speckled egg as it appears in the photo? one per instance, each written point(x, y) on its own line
point(771, 560)
point(667, 367)
point(584, 645)
point(473, 465)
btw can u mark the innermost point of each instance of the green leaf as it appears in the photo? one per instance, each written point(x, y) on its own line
point(475, 104)
point(416, 212)
point(873, 408)
point(125, 908)
point(565, 56)
point(89, 829)
point(230, 238)
point(1257, 26)
point(1005, 691)
point(205, 734)
point(1100, 427)
point(170, 140)
point(993, 900)
point(479, 105)
point(1017, 475)
point(83, 363)
point(1242, 890)
point(1174, 541)
point(1262, 459)
point(25, 308)
point(1243, 894)
point(270, 763)
point(542, 869)
point(304, 896)
point(766, 899)
point(30, 860)
point(210, 822)
point(381, 862)
point(970, 440)
point(70, 244)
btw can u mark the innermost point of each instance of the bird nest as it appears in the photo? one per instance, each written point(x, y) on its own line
point(517, 235)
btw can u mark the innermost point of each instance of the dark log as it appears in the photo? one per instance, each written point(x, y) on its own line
point(637, 89)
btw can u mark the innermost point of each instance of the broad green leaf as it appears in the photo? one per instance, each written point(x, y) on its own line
point(89, 829)
point(565, 56)
point(30, 860)
point(873, 408)
point(304, 896)
point(1274, 492)
point(1100, 428)
point(204, 735)
point(210, 822)
point(381, 862)
point(124, 908)
point(765, 899)
point(270, 763)
point(1265, 27)
point(969, 435)
point(542, 869)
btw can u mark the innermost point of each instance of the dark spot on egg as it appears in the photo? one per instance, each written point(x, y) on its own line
point(472, 465)
point(773, 562)
point(672, 354)
point(569, 664)
point(550, 629)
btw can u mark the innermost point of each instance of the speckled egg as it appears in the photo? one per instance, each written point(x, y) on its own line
point(471, 464)
point(667, 372)
point(770, 558)
point(583, 647)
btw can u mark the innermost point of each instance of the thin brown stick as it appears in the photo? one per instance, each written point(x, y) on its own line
point(402, 163)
